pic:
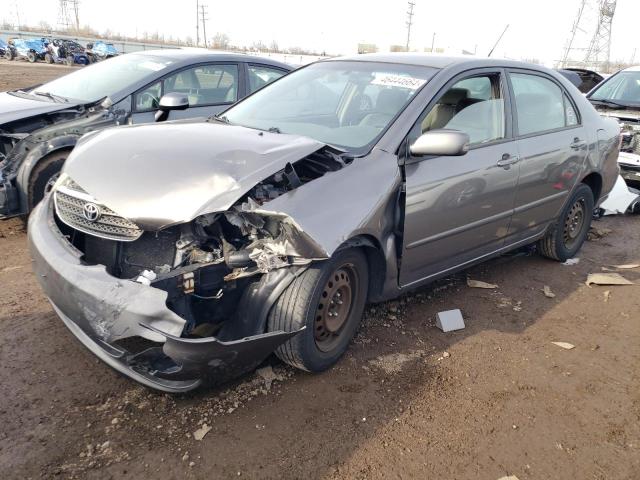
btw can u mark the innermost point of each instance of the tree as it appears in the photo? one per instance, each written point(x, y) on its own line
point(274, 47)
point(220, 41)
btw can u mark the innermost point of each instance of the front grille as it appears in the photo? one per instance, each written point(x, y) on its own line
point(70, 202)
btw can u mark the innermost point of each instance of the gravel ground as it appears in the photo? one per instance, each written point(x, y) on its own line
point(407, 401)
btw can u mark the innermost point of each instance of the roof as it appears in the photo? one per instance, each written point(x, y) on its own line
point(635, 68)
point(190, 55)
point(434, 60)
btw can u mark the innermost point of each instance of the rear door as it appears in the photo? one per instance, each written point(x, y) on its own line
point(552, 145)
point(458, 209)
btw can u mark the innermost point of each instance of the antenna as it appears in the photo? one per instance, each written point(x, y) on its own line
point(409, 21)
point(498, 41)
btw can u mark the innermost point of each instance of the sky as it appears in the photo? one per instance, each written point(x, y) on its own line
point(538, 29)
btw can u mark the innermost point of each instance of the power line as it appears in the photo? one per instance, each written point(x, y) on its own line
point(409, 22)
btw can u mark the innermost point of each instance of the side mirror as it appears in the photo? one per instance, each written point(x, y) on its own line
point(171, 101)
point(441, 143)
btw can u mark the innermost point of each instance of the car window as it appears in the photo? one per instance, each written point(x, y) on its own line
point(540, 104)
point(474, 106)
point(205, 84)
point(571, 117)
point(147, 99)
point(259, 76)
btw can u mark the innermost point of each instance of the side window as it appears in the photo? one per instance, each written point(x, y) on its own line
point(541, 104)
point(474, 105)
point(205, 84)
point(571, 117)
point(259, 76)
point(148, 98)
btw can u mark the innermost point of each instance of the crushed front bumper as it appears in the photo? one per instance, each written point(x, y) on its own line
point(9, 202)
point(101, 310)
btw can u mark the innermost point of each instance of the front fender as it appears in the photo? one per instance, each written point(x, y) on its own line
point(33, 157)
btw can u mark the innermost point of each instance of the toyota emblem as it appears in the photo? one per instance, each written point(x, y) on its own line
point(91, 212)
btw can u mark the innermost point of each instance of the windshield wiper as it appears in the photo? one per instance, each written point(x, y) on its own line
point(220, 118)
point(274, 130)
point(55, 98)
point(609, 103)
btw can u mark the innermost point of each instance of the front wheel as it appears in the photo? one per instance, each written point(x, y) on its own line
point(570, 231)
point(44, 175)
point(328, 299)
point(31, 56)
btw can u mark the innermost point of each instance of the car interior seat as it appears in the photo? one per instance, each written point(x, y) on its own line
point(446, 108)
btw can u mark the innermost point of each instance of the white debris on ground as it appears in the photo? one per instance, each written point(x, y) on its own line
point(565, 345)
point(480, 284)
point(201, 432)
point(620, 199)
point(394, 362)
point(547, 292)
point(450, 320)
point(571, 261)
point(607, 279)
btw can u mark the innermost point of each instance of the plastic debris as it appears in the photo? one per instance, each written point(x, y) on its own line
point(201, 432)
point(607, 295)
point(607, 279)
point(565, 345)
point(146, 277)
point(620, 199)
point(509, 477)
point(479, 284)
point(450, 320)
point(547, 292)
point(571, 261)
point(628, 266)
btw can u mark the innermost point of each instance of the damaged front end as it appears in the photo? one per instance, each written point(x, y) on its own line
point(182, 305)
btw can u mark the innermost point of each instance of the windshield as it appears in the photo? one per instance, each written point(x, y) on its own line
point(622, 88)
point(341, 103)
point(103, 79)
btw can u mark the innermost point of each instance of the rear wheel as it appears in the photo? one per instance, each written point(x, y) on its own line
point(44, 176)
point(570, 231)
point(31, 56)
point(48, 58)
point(8, 54)
point(328, 299)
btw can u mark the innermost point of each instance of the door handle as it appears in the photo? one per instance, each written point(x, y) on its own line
point(507, 160)
point(577, 144)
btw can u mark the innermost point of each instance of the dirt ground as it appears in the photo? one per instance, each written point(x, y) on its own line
point(407, 401)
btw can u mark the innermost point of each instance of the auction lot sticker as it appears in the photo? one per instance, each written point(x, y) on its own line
point(394, 80)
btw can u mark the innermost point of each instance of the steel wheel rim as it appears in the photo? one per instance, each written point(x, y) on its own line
point(573, 223)
point(334, 307)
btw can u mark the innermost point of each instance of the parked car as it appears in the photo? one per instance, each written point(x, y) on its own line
point(40, 125)
point(585, 80)
point(618, 97)
point(4, 48)
point(31, 49)
point(185, 252)
point(66, 51)
point(99, 50)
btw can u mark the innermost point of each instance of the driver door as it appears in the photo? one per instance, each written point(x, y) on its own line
point(458, 208)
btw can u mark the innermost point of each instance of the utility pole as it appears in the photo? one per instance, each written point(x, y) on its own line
point(197, 23)
point(409, 22)
point(204, 24)
point(433, 42)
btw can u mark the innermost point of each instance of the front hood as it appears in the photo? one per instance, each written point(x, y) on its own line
point(164, 174)
point(14, 108)
point(629, 114)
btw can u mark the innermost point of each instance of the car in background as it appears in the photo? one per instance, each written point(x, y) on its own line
point(31, 49)
point(39, 126)
point(618, 97)
point(4, 47)
point(585, 80)
point(184, 253)
point(99, 50)
point(62, 50)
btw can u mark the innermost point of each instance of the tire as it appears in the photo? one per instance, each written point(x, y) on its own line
point(305, 303)
point(569, 232)
point(46, 171)
point(48, 58)
point(8, 54)
point(70, 60)
point(31, 56)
